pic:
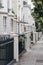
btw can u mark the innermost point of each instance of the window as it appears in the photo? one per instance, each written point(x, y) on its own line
point(1, 4)
point(24, 29)
point(12, 25)
point(24, 3)
point(4, 23)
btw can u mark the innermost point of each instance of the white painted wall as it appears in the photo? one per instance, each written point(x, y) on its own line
point(27, 41)
point(1, 23)
point(8, 24)
point(27, 16)
point(19, 9)
point(14, 6)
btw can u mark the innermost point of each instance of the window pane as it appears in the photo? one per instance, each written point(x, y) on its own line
point(0, 3)
point(4, 23)
point(12, 25)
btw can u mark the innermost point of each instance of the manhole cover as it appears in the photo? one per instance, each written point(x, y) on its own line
point(39, 62)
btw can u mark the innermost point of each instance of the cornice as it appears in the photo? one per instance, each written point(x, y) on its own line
point(3, 13)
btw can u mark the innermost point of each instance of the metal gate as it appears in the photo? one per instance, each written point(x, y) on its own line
point(21, 44)
point(6, 51)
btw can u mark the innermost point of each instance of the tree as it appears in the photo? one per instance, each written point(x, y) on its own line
point(38, 14)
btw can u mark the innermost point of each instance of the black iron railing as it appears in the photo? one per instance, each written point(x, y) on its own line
point(6, 51)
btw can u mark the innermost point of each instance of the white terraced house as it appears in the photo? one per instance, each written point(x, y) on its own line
point(8, 27)
point(26, 22)
point(7, 17)
point(16, 24)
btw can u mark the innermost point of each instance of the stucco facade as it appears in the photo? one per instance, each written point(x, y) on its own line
point(20, 14)
point(8, 22)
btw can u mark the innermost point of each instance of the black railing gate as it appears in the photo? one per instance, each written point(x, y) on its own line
point(21, 44)
point(6, 51)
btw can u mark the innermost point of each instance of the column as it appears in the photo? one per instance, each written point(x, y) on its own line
point(16, 51)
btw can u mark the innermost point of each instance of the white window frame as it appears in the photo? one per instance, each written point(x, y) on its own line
point(4, 23)
point(11, 25)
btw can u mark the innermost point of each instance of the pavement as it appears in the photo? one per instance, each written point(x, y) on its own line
point(34, 56)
